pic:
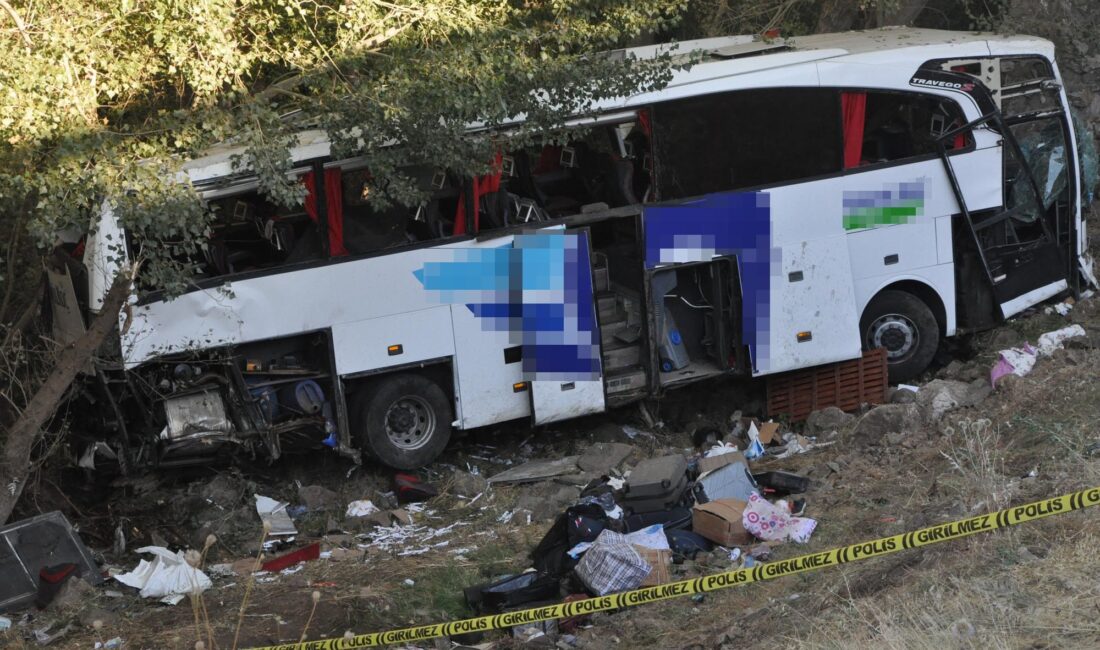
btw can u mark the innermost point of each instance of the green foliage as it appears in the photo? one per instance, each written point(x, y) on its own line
point(102, 99)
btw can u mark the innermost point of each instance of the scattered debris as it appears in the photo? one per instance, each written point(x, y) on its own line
point(168, 575)
point(273, 514)
point(537, 470)
point(720, 521)
point(410, 489)
point(731, 480)
point(633, 433)
point(773, 522)
point(305, 554)
point(1020, 360)
point(603, 457)
point(50, 633)
point(361, 508)
point(317, 498)
point(37, 542)
point(612, 565)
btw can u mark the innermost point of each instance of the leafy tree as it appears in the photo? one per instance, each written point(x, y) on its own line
point(100, 100)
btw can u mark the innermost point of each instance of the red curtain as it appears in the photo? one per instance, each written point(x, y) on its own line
point(334, 199)
point(481, 185)
point(853, 108)
point(334, 202)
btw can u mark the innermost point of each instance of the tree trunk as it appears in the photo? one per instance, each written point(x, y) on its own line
point(15, 456)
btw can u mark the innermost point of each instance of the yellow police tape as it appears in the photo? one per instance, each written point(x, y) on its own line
point(802, 563)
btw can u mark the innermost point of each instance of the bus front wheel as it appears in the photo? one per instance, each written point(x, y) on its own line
point(404, 421)
point(902, 324)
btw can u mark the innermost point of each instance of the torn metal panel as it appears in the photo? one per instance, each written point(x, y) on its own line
point(29, 545)
point(196, 415)
point(68, 323)
point(537, 470)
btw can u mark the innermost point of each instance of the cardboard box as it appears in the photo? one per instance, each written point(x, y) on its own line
point(707, 465)
point(659, 560)
point(720, 522)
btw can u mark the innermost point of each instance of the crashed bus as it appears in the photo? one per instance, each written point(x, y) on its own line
point(782, 204)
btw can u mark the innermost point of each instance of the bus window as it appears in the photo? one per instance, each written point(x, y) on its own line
point(251, 233)
point(890, 126)
point(745, 139)
point(600, 166)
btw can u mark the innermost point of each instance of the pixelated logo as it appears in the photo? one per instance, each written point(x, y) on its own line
point(538, 290)
point(894, 204)
point(737, 224)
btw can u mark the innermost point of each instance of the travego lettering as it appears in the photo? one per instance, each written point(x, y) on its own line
point(937, 83)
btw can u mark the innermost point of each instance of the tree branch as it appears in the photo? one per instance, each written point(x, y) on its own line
point(19, 24)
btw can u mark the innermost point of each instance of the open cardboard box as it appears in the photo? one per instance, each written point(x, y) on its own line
point(720, 522)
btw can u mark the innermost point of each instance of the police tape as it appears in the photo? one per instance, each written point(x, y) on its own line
point(768, 571)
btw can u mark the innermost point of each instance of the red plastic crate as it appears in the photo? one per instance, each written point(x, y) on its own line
point(845, 385)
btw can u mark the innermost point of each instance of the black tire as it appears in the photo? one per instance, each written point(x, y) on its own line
point(419, 416)
point(906, 327)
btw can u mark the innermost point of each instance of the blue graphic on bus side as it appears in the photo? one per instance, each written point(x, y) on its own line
point(538, 290)
point(737, 224)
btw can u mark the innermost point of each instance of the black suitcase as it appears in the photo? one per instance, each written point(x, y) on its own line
point(674, 518)
point(656, 484)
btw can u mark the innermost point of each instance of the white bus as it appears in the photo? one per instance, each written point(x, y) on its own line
point(781, 205)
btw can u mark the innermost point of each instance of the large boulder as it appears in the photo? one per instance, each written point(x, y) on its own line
point(318, 498)
point(939, 396)
point(886, 419)
point(602, 457)
point(827, 419)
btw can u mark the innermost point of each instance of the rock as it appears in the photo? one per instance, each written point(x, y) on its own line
point(942, 395)
point(827, 419)
point(468, 485)
point(952, 370)
point(107, 619)
point(223, 491)
point(318, 498)
point(901, 396)
point(73, 594)
point(1004, 338)
point(545, 504)
point(604, 456)
point(899, 418)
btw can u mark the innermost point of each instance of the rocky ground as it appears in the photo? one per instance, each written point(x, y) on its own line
point(953, 449)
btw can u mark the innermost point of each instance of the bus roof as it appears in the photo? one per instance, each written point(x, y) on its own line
point(728, 56)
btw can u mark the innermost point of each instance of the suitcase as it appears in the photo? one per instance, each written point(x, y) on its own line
point(678, 517)
point(782, 483)
point(656, 484)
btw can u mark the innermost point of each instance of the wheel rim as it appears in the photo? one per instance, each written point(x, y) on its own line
point(897, 334)
point(410, 422)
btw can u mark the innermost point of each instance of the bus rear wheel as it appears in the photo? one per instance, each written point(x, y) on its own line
point(404, 421)
point(902, 324)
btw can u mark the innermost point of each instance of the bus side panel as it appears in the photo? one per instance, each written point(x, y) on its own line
point(813, 319)
point(485, 374)
point(366, 345)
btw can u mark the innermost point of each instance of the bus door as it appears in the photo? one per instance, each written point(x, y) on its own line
point(561, 346)
point(1026, 246)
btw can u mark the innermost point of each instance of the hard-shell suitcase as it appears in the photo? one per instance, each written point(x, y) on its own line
point(656, 484)
point(678, 517)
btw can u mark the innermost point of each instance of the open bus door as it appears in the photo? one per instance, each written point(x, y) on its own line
point(565, 350)
point(1025, 248)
